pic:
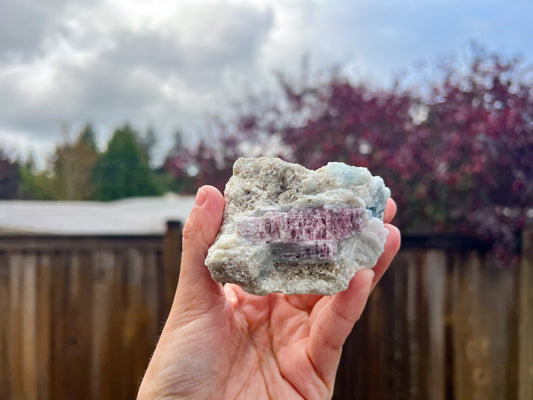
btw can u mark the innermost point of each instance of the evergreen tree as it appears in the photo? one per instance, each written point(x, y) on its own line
point(9, 177)
point(123, 170)
point(148, 142)
point(88, 137)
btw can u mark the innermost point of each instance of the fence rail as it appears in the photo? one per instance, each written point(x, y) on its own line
point(80, 317)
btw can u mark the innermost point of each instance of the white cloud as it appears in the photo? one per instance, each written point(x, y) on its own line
point(118, 61)
point(165, 64)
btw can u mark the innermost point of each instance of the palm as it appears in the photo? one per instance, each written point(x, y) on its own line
point(269, 339)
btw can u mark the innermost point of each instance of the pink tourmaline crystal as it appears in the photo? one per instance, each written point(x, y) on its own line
point(301, 225)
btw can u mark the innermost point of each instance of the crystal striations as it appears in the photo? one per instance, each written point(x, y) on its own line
point(301, 224)
point(292, 230)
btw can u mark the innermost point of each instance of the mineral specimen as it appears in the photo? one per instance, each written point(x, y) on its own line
point(292, 230)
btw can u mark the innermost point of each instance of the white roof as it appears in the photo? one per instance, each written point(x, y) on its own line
point(133, 216)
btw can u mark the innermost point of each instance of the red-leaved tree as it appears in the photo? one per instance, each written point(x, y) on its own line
point(458, 159)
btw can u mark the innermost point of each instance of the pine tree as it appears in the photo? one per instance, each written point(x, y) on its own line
point(123, 170)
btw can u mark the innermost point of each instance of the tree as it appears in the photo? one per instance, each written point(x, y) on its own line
point(9, 178)
point(68, 174)
point(481, 123)
point(72, 166)
point(123, 170)
point(148, 143)
point(35, 185)
point(457, 158)
point(88, 137)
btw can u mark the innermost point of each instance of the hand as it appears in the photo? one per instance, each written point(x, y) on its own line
point(220, 342)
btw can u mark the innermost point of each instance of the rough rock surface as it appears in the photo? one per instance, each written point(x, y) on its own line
point(292, 230)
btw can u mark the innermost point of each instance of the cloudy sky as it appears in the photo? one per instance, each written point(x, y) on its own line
point(168, 63)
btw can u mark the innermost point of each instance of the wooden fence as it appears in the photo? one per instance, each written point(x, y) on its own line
point(80, 316)
point(444, 323)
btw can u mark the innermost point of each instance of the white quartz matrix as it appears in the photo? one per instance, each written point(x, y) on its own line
point(292, 230)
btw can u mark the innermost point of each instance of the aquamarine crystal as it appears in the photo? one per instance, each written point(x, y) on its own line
point(292, 230)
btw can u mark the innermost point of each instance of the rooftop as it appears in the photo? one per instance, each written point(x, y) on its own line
point(135, 216)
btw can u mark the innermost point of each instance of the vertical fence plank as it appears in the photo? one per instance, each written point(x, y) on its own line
point(77, 324)
point(435, 281)
point(16, 370)
point(59, 362)
point(136, 321)
point(150, 296)
point(461, 315)
point(83, 341)
point(398, 333)
point(44, 286)
point(374, 361)
point(474, 376)
point(477, 347)
point(459, 327)
point(525, 390)
point(512, 325)
point(116, 321)
point(5, 384)
point(502, 328)
point(417, 319)
point(101, 374)
point(29, 326)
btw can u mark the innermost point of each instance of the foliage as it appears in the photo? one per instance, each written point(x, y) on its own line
point(77, 170)
point(123, 170)
point(202, 165)
point(68, 176)
point(147, 144)
point(72, 166)
point(88, 138)
point(9, 178)
point(457, 159)
point(35, 185)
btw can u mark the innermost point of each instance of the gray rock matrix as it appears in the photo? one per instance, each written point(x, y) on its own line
point(292, 230)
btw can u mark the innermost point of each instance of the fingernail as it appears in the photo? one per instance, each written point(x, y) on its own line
point(201, 197)
point(372, 273)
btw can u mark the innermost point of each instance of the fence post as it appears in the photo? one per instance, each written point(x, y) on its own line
point(171, 261)
point(525, 350)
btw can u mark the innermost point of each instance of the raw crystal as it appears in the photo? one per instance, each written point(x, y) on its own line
point(301, 224)
point(292, 230)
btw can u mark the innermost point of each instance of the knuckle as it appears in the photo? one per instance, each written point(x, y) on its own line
point(192, 227)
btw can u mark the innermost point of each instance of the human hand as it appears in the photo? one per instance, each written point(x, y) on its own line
point(220, 342)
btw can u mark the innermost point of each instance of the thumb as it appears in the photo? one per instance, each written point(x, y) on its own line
point(199, 233)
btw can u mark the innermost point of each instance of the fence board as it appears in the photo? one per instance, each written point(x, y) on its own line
point(59, 363)
point(16, 371)
point(101, 351)
point(525, 391)
point(151, 306)
point(5, 322)
point(435, 282)
point(44, 321)
point(29, 325)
